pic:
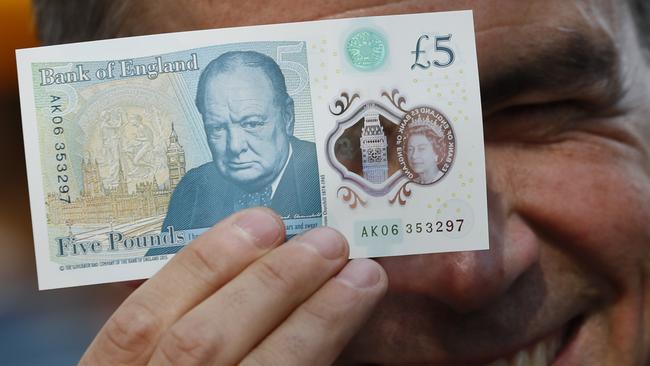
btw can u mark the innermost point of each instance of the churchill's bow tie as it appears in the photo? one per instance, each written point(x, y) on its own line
point(254, 199)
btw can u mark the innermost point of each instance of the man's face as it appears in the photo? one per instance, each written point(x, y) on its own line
point(247, 131)
point(567, 278)
point(422, 157)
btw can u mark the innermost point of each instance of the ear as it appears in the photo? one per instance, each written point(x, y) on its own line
point(288, 114)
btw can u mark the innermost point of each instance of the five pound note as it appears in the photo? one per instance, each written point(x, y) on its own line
point(136, 146)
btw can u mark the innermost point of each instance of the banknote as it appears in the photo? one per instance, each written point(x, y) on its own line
point(136, 146)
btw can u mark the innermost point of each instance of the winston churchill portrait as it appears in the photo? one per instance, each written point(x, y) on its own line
point(248, 118)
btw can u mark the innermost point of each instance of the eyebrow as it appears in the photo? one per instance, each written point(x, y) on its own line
point(238, 121)
point(573, 63)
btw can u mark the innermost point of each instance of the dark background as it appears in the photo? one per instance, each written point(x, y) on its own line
point(47, 327)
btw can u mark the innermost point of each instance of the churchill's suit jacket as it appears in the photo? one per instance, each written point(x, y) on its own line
point(203, 196)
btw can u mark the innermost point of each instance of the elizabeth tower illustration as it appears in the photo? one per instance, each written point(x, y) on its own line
point(373, 147)
point(175, 160)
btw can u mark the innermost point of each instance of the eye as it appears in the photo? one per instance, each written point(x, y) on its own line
point(541, 122)
point(252, 124)
point(216, 130)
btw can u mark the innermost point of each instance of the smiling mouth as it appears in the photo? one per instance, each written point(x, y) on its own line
point(543, 352)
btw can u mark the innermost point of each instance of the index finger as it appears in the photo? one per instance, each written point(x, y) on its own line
point(211, 260)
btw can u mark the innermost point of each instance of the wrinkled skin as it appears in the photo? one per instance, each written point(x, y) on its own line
point(248, 133)
point(568, 168)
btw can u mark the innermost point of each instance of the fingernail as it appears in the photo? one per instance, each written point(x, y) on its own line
point(328, 242)
point(262, 225)
point(360, 273)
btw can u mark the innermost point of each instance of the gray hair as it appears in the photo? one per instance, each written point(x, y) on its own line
point(232, 60)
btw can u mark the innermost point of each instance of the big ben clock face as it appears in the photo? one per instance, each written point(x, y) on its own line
point(374, 154)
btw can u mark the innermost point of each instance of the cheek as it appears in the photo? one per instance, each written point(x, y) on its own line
point(280, 135)
point(263, 150)
point(432, 156)
point(590, 200)
point(217, 148)
point(212, 144)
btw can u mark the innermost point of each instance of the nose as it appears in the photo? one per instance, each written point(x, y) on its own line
point(236, 141)
point(413, 156)
point(467, 281)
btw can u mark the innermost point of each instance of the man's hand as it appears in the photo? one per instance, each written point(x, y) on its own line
point(233, 296)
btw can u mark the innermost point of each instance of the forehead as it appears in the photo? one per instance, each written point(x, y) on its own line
point(509, 33)
point(418, 139)
point(169, 15)
point(238, 83)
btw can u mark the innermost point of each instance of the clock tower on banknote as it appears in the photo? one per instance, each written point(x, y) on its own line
point(92, 181)
point(175, 160)
point(373, 147)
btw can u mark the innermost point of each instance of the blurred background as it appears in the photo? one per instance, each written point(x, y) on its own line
point(36, 328)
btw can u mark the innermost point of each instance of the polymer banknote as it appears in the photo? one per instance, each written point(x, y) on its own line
point(135, 146)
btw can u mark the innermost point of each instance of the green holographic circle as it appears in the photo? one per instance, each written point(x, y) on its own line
point(366, 50)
